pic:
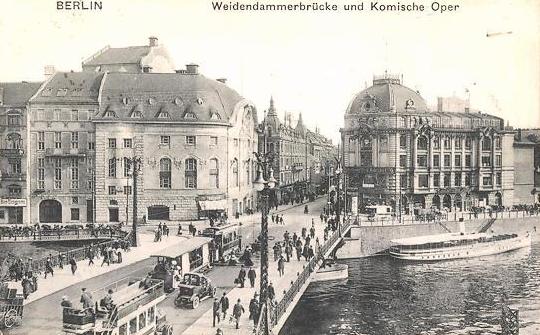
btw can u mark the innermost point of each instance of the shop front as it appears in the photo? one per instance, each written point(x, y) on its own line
point(12, 210)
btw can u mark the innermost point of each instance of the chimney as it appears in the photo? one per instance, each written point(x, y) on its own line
point(192, 68)
point(152, 41)
point(48, 71)
point(222, 80)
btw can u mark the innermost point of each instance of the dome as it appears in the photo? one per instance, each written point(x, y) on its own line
point(387, 95)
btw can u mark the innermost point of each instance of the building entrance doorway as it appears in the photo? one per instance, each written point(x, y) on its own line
point(50, 211)
point(158, 213)
point(113, 214)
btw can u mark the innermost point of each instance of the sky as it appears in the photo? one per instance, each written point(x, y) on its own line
point(310, 62)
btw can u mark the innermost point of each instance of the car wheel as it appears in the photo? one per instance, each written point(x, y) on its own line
point(195, 302)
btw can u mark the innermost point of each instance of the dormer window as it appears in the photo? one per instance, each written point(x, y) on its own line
point(61, 92)
point(189, 115)
point(110, 113)
point(137, 112)
point(46, 92)
point(215, 116)
point(163, 113)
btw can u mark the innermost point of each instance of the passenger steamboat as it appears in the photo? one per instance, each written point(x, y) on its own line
point(456, 245)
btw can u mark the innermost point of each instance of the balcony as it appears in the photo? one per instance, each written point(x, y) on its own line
point(9, 176)
point(11, 152)
point(54, 152)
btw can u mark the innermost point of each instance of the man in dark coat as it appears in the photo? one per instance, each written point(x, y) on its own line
point(252, 275)
point(242, 277)
point(254, 309)
point(271, 292)
point(48, 267)
point(73, 265)
point(87, 301)
point(216, 312)
point(238, 310)
point(224, 305)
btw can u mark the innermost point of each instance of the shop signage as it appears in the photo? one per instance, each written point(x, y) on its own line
point(12, 202)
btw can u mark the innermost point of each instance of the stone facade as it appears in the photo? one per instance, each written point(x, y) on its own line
point(527, 166)
point(61, 148)
point(399, 153)
point(13, 152)
point(300, 155)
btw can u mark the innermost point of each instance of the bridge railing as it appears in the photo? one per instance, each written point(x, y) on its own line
point(61, 234)
point(277, 310)
point(78, 254)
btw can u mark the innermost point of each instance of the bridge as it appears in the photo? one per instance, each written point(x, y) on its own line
point(279, 313)
point(49, 235)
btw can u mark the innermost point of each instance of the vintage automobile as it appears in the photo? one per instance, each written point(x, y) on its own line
point(193, 289)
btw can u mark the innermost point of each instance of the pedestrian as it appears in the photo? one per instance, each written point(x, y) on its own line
point(216, 312)
point(281, 266)
point(119, 255)
point(304, 232)
point(298, 252)
point(294, 238)
point(61, 261)
point(224, 305)
point(34, 282)
point(312, 232)
point(90, 255)
point(26, 286)
point(48, 267)
point(73, 265)
point(252, 275)
point(179, 229)
point(305, 252)
point(311, 252)
point(238, 309)
point(273, 218)
point(219, 331)
point(106, 258)
point(276, 252)
point(288, 251)
point(242, 277)
point(271, 292)
point(253, 309)
point(87, 301)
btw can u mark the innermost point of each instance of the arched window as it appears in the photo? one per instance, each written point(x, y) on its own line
point(366, 154)
point(486, 144)
point(214, 173)
point(165, 173)
point(14, 141)
point(236, 179)
point(422, 143)
point(248, 172)
point(191, 173)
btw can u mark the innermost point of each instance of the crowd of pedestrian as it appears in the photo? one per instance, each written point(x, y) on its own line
point(161, 230)
point(37, 231)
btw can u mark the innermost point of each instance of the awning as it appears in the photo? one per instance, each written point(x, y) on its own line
point(213, 205)
point(186, 246)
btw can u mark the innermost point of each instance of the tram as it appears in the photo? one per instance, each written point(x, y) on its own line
point(133, 311)
point(226, 241)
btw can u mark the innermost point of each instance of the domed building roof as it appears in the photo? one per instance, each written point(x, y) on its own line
point(387, 95)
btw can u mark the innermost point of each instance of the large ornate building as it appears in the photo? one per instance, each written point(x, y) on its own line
point(193, 136)
point(398, 152)
point(300, 155)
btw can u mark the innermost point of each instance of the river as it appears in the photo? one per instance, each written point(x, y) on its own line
point(388, 296)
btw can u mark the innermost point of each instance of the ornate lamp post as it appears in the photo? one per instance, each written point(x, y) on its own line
point(264, 187)
point(135, 164)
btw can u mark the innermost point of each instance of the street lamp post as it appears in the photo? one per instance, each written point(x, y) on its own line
point(264, 187)
point(135, 164)
point(338, 209)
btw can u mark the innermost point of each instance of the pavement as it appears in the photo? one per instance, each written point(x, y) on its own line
point(63, 278)
point(294, 220)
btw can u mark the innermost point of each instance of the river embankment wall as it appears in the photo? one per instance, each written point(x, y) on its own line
point(372, 240)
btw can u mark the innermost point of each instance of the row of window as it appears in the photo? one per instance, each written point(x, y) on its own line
point(64, 115)
point(467, 179)
point(73, 140)
point(422, 160)
point(57, 181)
point(190, 172)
